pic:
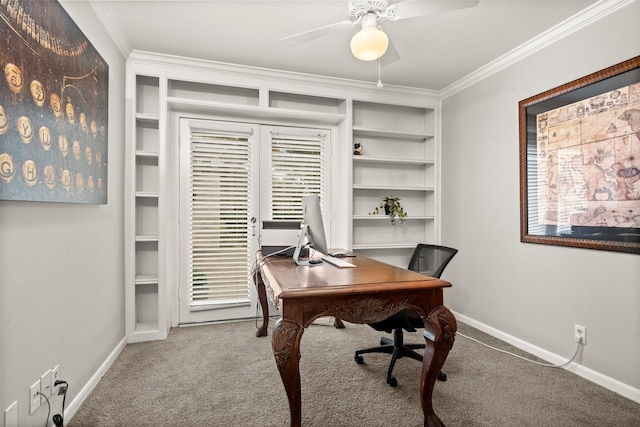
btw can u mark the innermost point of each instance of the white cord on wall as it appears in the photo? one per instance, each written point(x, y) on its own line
point(548, 365)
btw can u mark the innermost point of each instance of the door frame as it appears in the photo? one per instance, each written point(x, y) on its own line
point(214, 312)
point(337, 227)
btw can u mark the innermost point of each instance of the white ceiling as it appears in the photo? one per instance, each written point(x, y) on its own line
point(435, 51)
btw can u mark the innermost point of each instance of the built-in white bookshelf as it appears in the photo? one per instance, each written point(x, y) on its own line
point(144, 290)
point(396, 127)
point(397, 158)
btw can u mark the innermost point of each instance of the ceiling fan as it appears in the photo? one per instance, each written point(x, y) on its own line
point(372, 42)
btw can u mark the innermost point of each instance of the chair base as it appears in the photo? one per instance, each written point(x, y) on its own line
point(397, 349)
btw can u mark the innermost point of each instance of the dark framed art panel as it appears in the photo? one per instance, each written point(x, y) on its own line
point(580, 162)
point(53, 107)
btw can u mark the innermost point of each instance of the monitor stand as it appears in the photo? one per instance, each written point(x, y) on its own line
point(301, 245)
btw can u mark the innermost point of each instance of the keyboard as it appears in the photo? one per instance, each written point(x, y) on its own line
point(338, 262)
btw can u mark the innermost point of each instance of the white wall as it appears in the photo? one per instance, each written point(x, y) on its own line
point(61, 268)
point(535, 292)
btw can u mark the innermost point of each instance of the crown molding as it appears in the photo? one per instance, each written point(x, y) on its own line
point(324, 85)
point(569, 26)
point(593, 13)
point(105, 14)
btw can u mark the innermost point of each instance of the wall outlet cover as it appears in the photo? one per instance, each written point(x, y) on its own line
point(11, 415)
point(34, 397)
point(55, 376)
point(46, 386)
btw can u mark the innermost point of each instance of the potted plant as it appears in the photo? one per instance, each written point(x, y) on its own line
point(392, 207)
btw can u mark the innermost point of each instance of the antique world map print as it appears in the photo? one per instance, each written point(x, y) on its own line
point(589, 162)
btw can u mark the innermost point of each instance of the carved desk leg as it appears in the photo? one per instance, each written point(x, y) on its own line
point(286, 349)
point(262, 296)
point(439, 333)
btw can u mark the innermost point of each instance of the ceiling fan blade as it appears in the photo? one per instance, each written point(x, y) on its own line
point(414, 8)
point(390, 56)
point(307, 36)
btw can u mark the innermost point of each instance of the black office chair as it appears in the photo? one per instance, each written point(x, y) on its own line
point(426, 259)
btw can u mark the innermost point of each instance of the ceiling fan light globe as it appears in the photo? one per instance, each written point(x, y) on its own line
point(369, 44)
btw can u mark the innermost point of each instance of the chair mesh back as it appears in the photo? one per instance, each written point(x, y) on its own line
point(431, 259)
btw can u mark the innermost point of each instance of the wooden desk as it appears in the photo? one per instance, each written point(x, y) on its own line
point(369, 293)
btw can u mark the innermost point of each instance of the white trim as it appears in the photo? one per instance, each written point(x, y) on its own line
point(565, 28)
point(93, 381)
point(105, 13)
point(229, 73)
point(582, 371)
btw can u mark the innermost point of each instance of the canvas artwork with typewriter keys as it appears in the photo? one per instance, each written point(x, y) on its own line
point(53, 107)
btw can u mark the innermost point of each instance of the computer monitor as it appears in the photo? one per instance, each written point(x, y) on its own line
point(313, 230)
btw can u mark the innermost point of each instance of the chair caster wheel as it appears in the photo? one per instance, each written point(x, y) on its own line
point(392, 381)
point(359, 359)
point(442, 376)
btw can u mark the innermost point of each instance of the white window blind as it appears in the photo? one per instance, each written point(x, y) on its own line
point(534, 220)
point(297, 169)
point(219, 212)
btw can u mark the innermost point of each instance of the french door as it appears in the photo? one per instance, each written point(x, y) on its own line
point(233, 175)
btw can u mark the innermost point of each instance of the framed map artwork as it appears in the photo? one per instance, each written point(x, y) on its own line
point(580, 162)
point(53, 107)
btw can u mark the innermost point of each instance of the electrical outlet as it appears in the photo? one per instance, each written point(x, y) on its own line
point(34, 397)
point(55, 376)
point(580, 334)
point(46, 386)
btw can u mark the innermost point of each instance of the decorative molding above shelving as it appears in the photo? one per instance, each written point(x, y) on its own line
point(252, 112)
point(227, 73)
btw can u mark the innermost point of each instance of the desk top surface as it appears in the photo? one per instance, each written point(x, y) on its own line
point(289, 280)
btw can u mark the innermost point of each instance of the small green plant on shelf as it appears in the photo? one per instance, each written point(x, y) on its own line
point(391, 207)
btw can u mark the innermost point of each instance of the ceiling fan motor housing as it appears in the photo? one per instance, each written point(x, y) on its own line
point(359, 10)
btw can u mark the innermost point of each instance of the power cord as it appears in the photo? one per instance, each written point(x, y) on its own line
point(548, 365)
point(255, 270)
point(58, 419)
point(259, 262)
point(46, 421)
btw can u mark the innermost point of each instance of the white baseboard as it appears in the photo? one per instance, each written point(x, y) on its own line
point(586, 373)
point(93, 381)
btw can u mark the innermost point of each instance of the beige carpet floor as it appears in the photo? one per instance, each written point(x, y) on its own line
point(222, 375)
